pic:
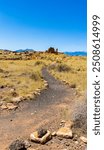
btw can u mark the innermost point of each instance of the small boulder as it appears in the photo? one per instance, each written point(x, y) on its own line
point(17, 99)
point(17, 145)
point(11, 106)
point(41, 136)
point(65, 132)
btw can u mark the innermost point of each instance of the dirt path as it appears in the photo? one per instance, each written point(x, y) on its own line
point(47, 110)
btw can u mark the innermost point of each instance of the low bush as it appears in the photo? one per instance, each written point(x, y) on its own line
point(38, 63)
point(34, 76)
point(63, 68)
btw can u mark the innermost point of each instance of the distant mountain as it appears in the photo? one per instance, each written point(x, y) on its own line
point(79, 53)
point(23, 50)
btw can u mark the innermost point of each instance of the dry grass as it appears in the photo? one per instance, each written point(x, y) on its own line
point(72, 72)
point(22, 77)
point(19, 78)
point(79, 116)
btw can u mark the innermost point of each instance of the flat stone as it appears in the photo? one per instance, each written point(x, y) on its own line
point(65, 132)
point(84, 139)
point(11, 106)
point(3, 106)
point(17, 99)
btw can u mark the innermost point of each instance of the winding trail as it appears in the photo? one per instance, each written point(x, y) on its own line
point(46, 110)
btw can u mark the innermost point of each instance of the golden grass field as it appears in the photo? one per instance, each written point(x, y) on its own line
point(76, 74)
point(20, 78)
point(23, 76)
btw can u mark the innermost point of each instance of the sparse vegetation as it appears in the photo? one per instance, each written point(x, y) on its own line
point(39, 62)
point(21, 79)
point(22, 72)
point(79, 116)
point(63, 68)
point(71, 70)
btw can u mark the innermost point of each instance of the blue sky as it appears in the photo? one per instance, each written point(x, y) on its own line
point(39, 24)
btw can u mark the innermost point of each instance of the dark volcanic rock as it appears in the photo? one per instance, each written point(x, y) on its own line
point(17, 145)
point(41, 132)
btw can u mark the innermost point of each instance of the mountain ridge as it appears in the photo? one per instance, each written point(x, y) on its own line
point(76, 53)
point(23, 50)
